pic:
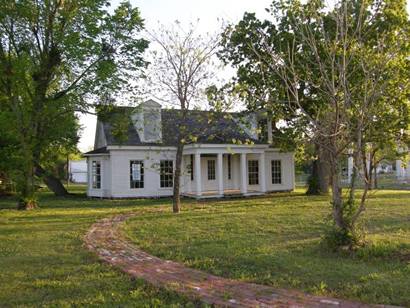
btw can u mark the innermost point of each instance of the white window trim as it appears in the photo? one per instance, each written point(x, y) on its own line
point(129, 176)
point(281, 172)
point(92, 175)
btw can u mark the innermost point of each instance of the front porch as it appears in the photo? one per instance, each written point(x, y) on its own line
point(208, 194)
point(215, 172)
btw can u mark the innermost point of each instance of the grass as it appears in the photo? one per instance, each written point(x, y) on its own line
point(43, 261)
point(276, 241)
point(272, 240)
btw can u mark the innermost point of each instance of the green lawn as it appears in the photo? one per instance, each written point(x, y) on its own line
point(43, 262)
point(272, 240)
point(276, 241)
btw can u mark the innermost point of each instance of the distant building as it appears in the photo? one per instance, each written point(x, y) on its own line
point(399, 168)
point(402, 169)
point(77, 170)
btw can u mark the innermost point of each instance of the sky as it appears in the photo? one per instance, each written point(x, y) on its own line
point(209, 13)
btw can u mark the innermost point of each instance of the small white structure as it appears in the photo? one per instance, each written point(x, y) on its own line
point(402, 170)
point(216, 162)
point(77, 170)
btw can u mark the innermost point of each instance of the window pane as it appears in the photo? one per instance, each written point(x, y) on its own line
point(166, 173)
point(211, 170)
point(136, 174)
point(96, 174)
point(253, 172)
point(276, 172)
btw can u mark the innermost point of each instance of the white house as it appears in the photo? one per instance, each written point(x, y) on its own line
point(224, 155)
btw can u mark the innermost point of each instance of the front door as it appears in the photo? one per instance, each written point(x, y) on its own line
point(209, 167)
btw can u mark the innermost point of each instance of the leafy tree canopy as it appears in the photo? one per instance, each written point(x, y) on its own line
point(56, 58)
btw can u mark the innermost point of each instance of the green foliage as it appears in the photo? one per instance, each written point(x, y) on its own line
point(56, 59)
point(332, 73)
point(27, 203)
point(255, 82)
point(337, 238)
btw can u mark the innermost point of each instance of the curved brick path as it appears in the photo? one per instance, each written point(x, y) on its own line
point(104, 239)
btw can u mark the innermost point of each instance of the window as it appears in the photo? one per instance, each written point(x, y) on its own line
point(96, 174)
point(253, 172)
point(211, 170)
point(191, 167)
point(276, 172)
point(136, 174)
point(229, 167)
point(166, 173)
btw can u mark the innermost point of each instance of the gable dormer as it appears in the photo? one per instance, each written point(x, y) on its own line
point(147, 122)
point(248, 123)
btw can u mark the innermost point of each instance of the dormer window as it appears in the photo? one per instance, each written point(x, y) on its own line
point(152, 128)
point(147, 122)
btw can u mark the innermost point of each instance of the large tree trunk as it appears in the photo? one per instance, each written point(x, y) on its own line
point(25, 184)
point(337, 198)
point(313, 180)
point(176, 202)
point(52, 182)
point(375, 182)
point(323, 171)
point(318, 182)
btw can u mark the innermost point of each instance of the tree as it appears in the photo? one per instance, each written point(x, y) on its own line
point(261, 89)
point(181, 72)
point(57, 58)
point(359, 50)
point(339, 68)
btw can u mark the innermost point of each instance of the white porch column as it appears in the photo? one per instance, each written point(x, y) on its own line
point(262, 172)
point(244, 183)
point(182, 176)
point(197, 174)
point(220, 174)
point(188, 174)
point(89, 176)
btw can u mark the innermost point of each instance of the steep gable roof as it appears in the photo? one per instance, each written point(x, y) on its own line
point(208, 127)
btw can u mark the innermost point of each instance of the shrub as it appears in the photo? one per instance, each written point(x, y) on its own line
point(344, 238)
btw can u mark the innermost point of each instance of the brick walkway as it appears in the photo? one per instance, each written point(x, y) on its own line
point(105, 240)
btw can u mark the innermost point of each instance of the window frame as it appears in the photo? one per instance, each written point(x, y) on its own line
point(277, 172)
point(253, 172)
point(137, 184)
point(211, 169)
point(96, 174)
point(166, 173)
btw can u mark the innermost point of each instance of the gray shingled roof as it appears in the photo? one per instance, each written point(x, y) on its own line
point(209, 127)
point(102, 150)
